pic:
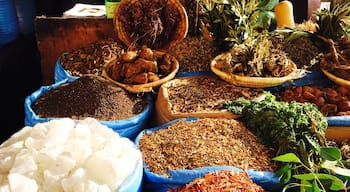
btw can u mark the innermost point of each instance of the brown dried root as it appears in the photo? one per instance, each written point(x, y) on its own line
point(336, 58)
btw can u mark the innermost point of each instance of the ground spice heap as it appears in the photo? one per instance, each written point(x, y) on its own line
point(194, 54)
point(205, 142)
point(89, 96)
point(206, 94)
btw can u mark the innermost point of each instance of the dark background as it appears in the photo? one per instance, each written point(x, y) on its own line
point(20, 69)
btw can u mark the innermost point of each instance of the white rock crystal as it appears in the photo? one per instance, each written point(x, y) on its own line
point(66, 155)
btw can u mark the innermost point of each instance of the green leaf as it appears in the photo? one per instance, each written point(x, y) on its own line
point(336, 183)
point(330, 153)
point(315, 187)
point(284, 173)
point(288, 157)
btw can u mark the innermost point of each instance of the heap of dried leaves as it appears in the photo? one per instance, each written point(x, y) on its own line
point(205, 94)
point(204, 142)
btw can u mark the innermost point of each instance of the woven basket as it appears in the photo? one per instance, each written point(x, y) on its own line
point(254, 82)
point(163, 105)
point(140, 88)
point(128, 40)
point(336, 79)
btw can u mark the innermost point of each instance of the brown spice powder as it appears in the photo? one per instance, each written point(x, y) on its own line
point(89, 96)
point(206, 94)
point(205, 142)
point(194, 54)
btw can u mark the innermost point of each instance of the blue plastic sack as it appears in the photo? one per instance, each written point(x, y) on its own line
point(60, 73)
point(134, 182)
point(129, 127)
point(194, 73)
point(160, 183)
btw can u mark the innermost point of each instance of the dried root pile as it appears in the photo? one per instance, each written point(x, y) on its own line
point(258, 58)
point(337, 60)
point(141, 66)
point(152, 23)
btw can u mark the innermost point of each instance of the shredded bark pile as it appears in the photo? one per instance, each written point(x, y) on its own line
point(206, 94)
point(89, 96)
point(205, 142)
point(194, 54)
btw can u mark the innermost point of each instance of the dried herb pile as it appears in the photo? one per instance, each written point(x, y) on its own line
point(204, 142)
point(205, 94)
point(194, 54)
point(89, 96)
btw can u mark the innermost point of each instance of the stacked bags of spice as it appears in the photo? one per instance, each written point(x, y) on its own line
point(90, 96)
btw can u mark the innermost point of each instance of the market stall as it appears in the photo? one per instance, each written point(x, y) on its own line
point(222, 95)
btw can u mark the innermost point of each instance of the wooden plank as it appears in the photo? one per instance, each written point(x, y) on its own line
point(56, 35)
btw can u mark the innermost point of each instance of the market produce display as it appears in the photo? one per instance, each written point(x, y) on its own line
point(64, 155)
point(198, 96)
point(142, 70)
point(297, 132)
point(89, 96)
point(266, 137)
point(201, 143)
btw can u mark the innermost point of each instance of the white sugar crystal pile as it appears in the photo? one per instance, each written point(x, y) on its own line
point(64, 155)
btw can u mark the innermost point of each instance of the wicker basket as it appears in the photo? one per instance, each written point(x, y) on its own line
point(254, 82)
point(127, 37)
point(140, 88)
point(336, 79)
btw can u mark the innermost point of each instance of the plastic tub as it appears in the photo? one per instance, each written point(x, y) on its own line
point(8, 22)
point(25, 15)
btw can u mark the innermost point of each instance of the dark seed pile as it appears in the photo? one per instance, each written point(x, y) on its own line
point(89, 96)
